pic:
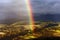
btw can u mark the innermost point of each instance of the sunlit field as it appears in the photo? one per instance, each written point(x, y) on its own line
point(19, 31)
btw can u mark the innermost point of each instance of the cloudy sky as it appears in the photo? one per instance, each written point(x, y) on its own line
point(13, 10)
point(46, 10)
point(44, 6)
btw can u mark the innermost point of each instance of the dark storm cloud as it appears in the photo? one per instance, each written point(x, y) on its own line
point(44, 6)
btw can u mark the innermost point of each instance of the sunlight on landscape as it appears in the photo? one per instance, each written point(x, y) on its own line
point(19, 31)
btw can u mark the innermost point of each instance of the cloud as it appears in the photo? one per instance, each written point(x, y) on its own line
point(13, 10)
point(45, 6)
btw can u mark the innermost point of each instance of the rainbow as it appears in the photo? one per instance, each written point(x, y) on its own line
point(30, 14)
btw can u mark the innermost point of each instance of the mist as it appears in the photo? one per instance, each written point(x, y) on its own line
point(13, 10)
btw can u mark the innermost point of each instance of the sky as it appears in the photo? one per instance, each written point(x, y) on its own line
point(13, 10)
point(17, 10)
point(44, 6)
point(46, 10)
